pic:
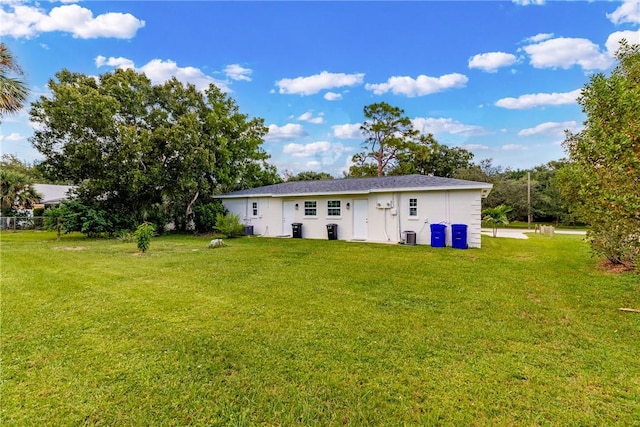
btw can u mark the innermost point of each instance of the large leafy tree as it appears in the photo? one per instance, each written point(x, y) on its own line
point(387, 132)
point(146, 152)
point(13, 89)
point(603, 179)
point(308, 176)
point(10, 162)
point(426, 156)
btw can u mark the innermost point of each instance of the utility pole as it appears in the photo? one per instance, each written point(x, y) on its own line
point(528, 200)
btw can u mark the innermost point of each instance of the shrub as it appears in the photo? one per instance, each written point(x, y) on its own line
point(76, 216)
point(229, 225)
point(143, 235)
point(205, 216)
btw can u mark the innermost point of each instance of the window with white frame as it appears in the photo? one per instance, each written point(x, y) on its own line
point(413, 207)
point(254, 209)
point(310, 208)
point(333, 208)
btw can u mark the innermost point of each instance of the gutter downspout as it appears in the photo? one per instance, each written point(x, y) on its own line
point(398, 213)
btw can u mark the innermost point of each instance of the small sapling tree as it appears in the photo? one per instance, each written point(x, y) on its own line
point(143, 235)
point(496, 216)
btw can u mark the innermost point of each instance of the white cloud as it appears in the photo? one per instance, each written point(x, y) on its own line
point(491, 61)
point(12, 137)
point(475, 147)
point(313, 84)
point(306, 150)
point(442, 125)
point(159, 71)
point(514, 147)
point(308, 117)
point(332, 96)
point(533, 100)
point(29, 21)
point(284, 133)
point(613, 41)
point(237, 72)
point(528, 2)
point(550, 128)
point(347, 131)
point(120, 62)
point(539, 37)
point(326, 153)
point(420, 86)
point(313, 165)
point(564, 52)
point(628, 12)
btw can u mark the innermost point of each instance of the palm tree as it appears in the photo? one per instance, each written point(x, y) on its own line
point(15, 192)
point(496, 216)
point(13, 90)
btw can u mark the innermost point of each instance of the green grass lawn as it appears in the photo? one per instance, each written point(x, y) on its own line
point(306, 332)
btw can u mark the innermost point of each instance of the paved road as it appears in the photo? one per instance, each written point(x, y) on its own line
point(513, 233)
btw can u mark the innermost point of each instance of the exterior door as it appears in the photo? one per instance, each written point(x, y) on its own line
point(360, 219)
point(288, 216)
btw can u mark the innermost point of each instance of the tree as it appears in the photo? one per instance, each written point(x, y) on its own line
point(361, 168)
point(603, 178)
point(309, 176)
point(143, 235)
point(144, 152)
point(13, 90)
point(16, 191)
point(428, 157)
point(484, 171)
point(11, 163)
point(387, 132)
point(496, 216)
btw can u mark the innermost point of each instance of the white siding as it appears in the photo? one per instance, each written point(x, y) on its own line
point(388, 215)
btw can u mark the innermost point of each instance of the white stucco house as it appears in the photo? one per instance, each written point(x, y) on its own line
point(364, 209)
point(52, 194)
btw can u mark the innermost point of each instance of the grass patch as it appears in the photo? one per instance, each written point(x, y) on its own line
point(309, 332)
point(519, 225)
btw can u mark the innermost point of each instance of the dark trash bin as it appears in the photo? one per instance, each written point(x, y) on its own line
point(438, 235)
point(410, 238)
point(248, 230)
point(332, 231)
point(296, 229)
point(459, 236)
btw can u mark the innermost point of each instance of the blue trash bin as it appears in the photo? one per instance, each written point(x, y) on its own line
point(459, 236)
point(438, 235)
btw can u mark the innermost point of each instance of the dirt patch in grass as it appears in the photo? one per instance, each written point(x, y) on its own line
point(70, 248)
point(607, 266)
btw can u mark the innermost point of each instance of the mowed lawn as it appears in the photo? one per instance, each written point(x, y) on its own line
point(306, 332)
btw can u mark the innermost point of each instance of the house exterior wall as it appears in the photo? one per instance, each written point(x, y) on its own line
point(388, 216)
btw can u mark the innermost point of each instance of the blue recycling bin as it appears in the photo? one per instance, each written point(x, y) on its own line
point(438, 235)
point(459, 236)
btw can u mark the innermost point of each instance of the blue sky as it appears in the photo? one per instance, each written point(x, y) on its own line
point(499, 78)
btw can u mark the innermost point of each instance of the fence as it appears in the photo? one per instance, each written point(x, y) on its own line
point(16, 223)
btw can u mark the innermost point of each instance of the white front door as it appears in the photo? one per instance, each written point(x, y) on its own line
point(288, 215)
point(360, 219)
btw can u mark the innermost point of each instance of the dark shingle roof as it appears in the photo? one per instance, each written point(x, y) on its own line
point(359, 186)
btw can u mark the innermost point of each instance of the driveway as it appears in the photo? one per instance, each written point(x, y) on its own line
point(513, 233)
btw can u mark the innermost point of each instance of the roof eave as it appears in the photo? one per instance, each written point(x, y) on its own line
point(481, 187)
